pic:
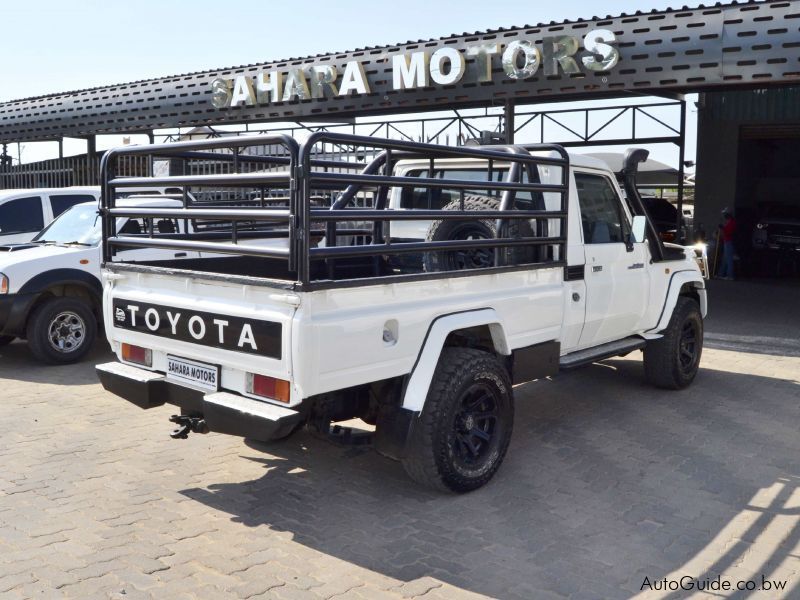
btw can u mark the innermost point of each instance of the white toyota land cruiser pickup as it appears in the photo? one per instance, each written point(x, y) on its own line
point(528, 261)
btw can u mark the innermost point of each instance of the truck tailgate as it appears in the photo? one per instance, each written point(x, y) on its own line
point(236, 327)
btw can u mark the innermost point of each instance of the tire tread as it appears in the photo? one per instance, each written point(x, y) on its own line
point(455, 365)
point(660, 365)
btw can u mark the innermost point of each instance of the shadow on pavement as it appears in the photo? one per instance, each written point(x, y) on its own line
point(607, 481)
point(18, 364)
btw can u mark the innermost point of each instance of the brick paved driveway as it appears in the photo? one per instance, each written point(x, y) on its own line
point(607, 482)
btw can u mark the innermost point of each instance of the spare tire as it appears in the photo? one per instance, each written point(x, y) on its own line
point(473, 229)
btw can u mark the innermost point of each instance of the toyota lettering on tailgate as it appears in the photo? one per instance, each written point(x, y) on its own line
point(220, 331)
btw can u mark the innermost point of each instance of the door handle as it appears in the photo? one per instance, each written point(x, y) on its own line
point(180, 255)
point(597, 268)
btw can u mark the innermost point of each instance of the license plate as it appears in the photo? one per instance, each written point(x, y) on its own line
point(192, 373)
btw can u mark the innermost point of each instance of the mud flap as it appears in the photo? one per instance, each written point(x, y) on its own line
point(393, 430)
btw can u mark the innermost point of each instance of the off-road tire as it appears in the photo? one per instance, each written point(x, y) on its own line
point(672, 361)
point(454, 260)
point(5, 340)
point(43, 318)
point(435, 455)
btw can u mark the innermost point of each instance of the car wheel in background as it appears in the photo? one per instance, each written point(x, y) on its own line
point(61, 330)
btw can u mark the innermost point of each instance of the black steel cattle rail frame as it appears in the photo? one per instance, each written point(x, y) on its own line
point(305, 173)
point(186, 151)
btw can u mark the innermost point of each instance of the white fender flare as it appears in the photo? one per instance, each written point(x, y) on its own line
point(677, 281)
point(422, 373)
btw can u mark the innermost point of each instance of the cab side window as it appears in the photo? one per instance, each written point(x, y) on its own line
point(601, 213)
point(21, 215)
point(62, 202)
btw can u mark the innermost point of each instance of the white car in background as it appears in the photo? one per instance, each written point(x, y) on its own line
point(24, 213)
point(50, 290)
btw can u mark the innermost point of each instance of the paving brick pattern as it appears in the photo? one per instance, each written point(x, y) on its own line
point(607, 482)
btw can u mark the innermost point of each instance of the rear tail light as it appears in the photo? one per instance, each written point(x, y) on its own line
point(137, 354)
point(268, 387)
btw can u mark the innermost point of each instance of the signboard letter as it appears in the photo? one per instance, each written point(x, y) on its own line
point(354, 79)
point(455, 61)
point(410, 70)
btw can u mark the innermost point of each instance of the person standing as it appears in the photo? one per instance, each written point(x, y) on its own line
point(726, 233)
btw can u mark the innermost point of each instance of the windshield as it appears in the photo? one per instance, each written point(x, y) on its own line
point(79, 225)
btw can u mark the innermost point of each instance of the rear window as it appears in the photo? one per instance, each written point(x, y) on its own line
point(141, 226)
point(436, 199)
point(61, 202)
point(21, 215)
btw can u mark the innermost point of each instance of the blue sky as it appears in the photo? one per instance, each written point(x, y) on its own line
point(53, 46)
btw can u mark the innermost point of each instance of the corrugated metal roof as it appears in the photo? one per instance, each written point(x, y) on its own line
point(767, 104)
point(667, 10)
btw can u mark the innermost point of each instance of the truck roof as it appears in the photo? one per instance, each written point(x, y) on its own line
point(152, 201)
point(575, 159)
point(578, 160)
point(49, 190)
point(589, 162)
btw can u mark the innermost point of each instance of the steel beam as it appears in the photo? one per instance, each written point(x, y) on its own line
point(682, 50)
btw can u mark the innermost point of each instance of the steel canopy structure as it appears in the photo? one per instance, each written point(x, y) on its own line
point(670, 52)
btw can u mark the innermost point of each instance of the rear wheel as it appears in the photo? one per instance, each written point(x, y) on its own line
point(61, 330)
point(462, 435)
point(5, 340)
point(672, 361)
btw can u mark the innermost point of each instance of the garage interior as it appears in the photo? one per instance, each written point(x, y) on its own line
point(748, 149)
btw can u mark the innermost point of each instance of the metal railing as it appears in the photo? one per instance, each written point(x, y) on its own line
point(65, 172)
point(356, 197)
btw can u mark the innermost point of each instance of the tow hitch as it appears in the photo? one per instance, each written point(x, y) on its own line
point(187, 424)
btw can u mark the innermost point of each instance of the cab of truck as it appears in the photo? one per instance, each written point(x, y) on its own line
point(24, 213)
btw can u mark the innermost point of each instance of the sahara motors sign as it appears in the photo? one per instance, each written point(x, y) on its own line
point(446, 66)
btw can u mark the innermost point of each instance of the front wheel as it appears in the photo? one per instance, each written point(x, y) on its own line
point(61, 330)
point(461, 437)
point(672, 361)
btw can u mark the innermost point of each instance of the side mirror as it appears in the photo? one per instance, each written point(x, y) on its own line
point(638, 228)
